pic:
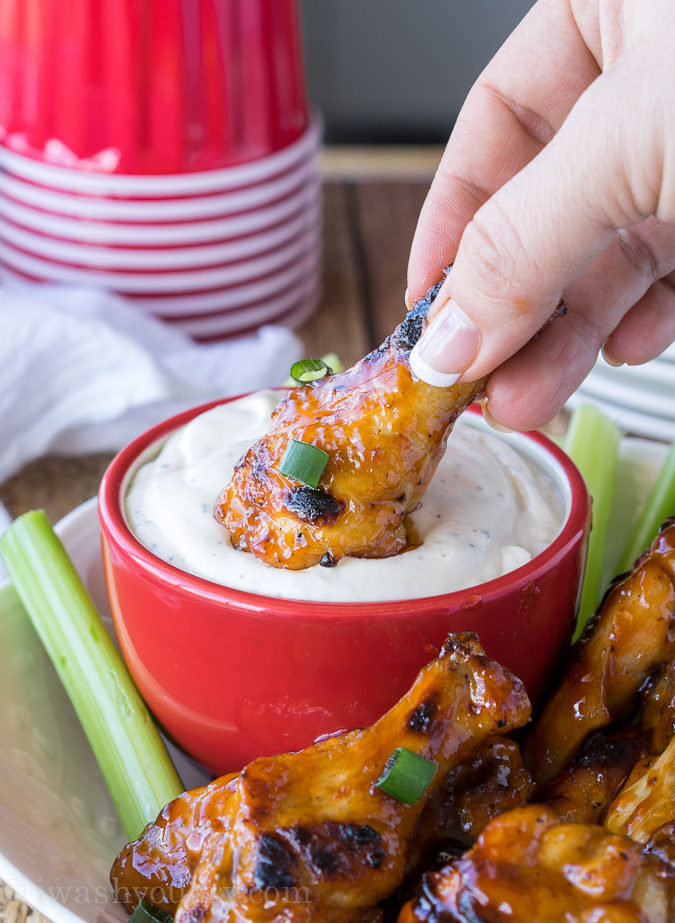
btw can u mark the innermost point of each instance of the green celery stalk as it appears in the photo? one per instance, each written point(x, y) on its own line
point(592, 443)
point(332, 360)
point(133, 759)
point(660, 505)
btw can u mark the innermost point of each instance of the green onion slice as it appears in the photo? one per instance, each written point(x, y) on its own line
point(303, 462)
point(146, 913)
point(406, 776)
point(305, 370)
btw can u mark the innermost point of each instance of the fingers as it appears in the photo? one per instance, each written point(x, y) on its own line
point(647, 329)
point(519, 101)
point(545, 226)
point(528, 389)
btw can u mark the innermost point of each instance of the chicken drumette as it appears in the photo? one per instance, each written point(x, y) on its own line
point(384, 432)
point(632, 635)
point(308, 836)
point(527, 866)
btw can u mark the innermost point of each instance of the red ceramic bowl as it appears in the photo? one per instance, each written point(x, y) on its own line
point(233, 675)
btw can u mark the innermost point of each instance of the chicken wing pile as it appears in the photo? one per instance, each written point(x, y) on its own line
point(580, 829)
point(309, 835)
point(384, 432)
point(598, 844)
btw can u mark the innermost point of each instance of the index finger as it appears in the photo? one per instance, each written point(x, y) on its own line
point(517, 104)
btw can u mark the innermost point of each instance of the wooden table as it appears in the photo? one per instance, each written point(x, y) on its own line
point(369, 223)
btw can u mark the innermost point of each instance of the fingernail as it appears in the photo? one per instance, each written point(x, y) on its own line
point(406, 298)
point(447, 347)
point(490, 420)
point(613, 362)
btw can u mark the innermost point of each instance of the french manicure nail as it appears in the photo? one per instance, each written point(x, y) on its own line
point(406, 299)
point(447, 347)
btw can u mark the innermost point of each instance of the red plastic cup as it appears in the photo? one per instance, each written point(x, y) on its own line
point(165, 87)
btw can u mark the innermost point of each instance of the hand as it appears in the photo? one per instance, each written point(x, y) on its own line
point(558, 180)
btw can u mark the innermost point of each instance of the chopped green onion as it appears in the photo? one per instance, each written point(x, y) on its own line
point(592, 443)
point(330, 360)
point(660, 505)
point(146, 913)
point(406, 776)
point(305, 370)
point(133, 759)
point(303, 462)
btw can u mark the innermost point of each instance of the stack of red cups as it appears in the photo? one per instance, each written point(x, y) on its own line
point(164, 151)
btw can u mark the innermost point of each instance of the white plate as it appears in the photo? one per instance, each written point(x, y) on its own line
point(75, 180)
point(210, 206)
point(155, 235)
point(120, 258)
point(632, 421)
point(165, 282)
point(58, 828)
point(58, 831)
point(652, 400)
point(657, 376)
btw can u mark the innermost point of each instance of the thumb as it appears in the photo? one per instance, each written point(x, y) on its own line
point(543, 227)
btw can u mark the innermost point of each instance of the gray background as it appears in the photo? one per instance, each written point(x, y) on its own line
point(398, 70)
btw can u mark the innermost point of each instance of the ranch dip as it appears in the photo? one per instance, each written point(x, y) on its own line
point(487, 511)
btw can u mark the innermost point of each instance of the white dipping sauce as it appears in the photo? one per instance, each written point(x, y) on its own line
point(487, 511)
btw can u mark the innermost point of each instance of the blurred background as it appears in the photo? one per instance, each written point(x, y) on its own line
point(397, 71)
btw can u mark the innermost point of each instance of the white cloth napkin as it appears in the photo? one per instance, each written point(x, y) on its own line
point(81, 371)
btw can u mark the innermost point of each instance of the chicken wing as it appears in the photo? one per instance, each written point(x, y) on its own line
point(658, 707)
point(158, 866)
point(647, 803)
point(308, 835)
point(384, 431)
point(527, 866)
point(492, 780)
point(632, 634)
point(584, 791)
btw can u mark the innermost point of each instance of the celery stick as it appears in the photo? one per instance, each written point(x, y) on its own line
point(660, 505)
point(592, 443)
point(332, 360)
point(133, 759)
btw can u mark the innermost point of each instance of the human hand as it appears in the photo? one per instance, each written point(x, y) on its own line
point(558, 180)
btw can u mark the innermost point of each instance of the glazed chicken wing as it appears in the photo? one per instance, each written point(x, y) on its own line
point(308, 836)
point(658, 707)
point(647, 803)
point(384, 432)
point(584, 791)
point(490, 781)
point(632, 635)
point(527, 866)
point(158, 866)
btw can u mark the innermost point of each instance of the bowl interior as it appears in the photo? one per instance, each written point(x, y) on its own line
point(536, 449)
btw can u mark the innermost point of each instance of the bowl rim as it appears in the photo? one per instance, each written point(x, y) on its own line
point(113, 524)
